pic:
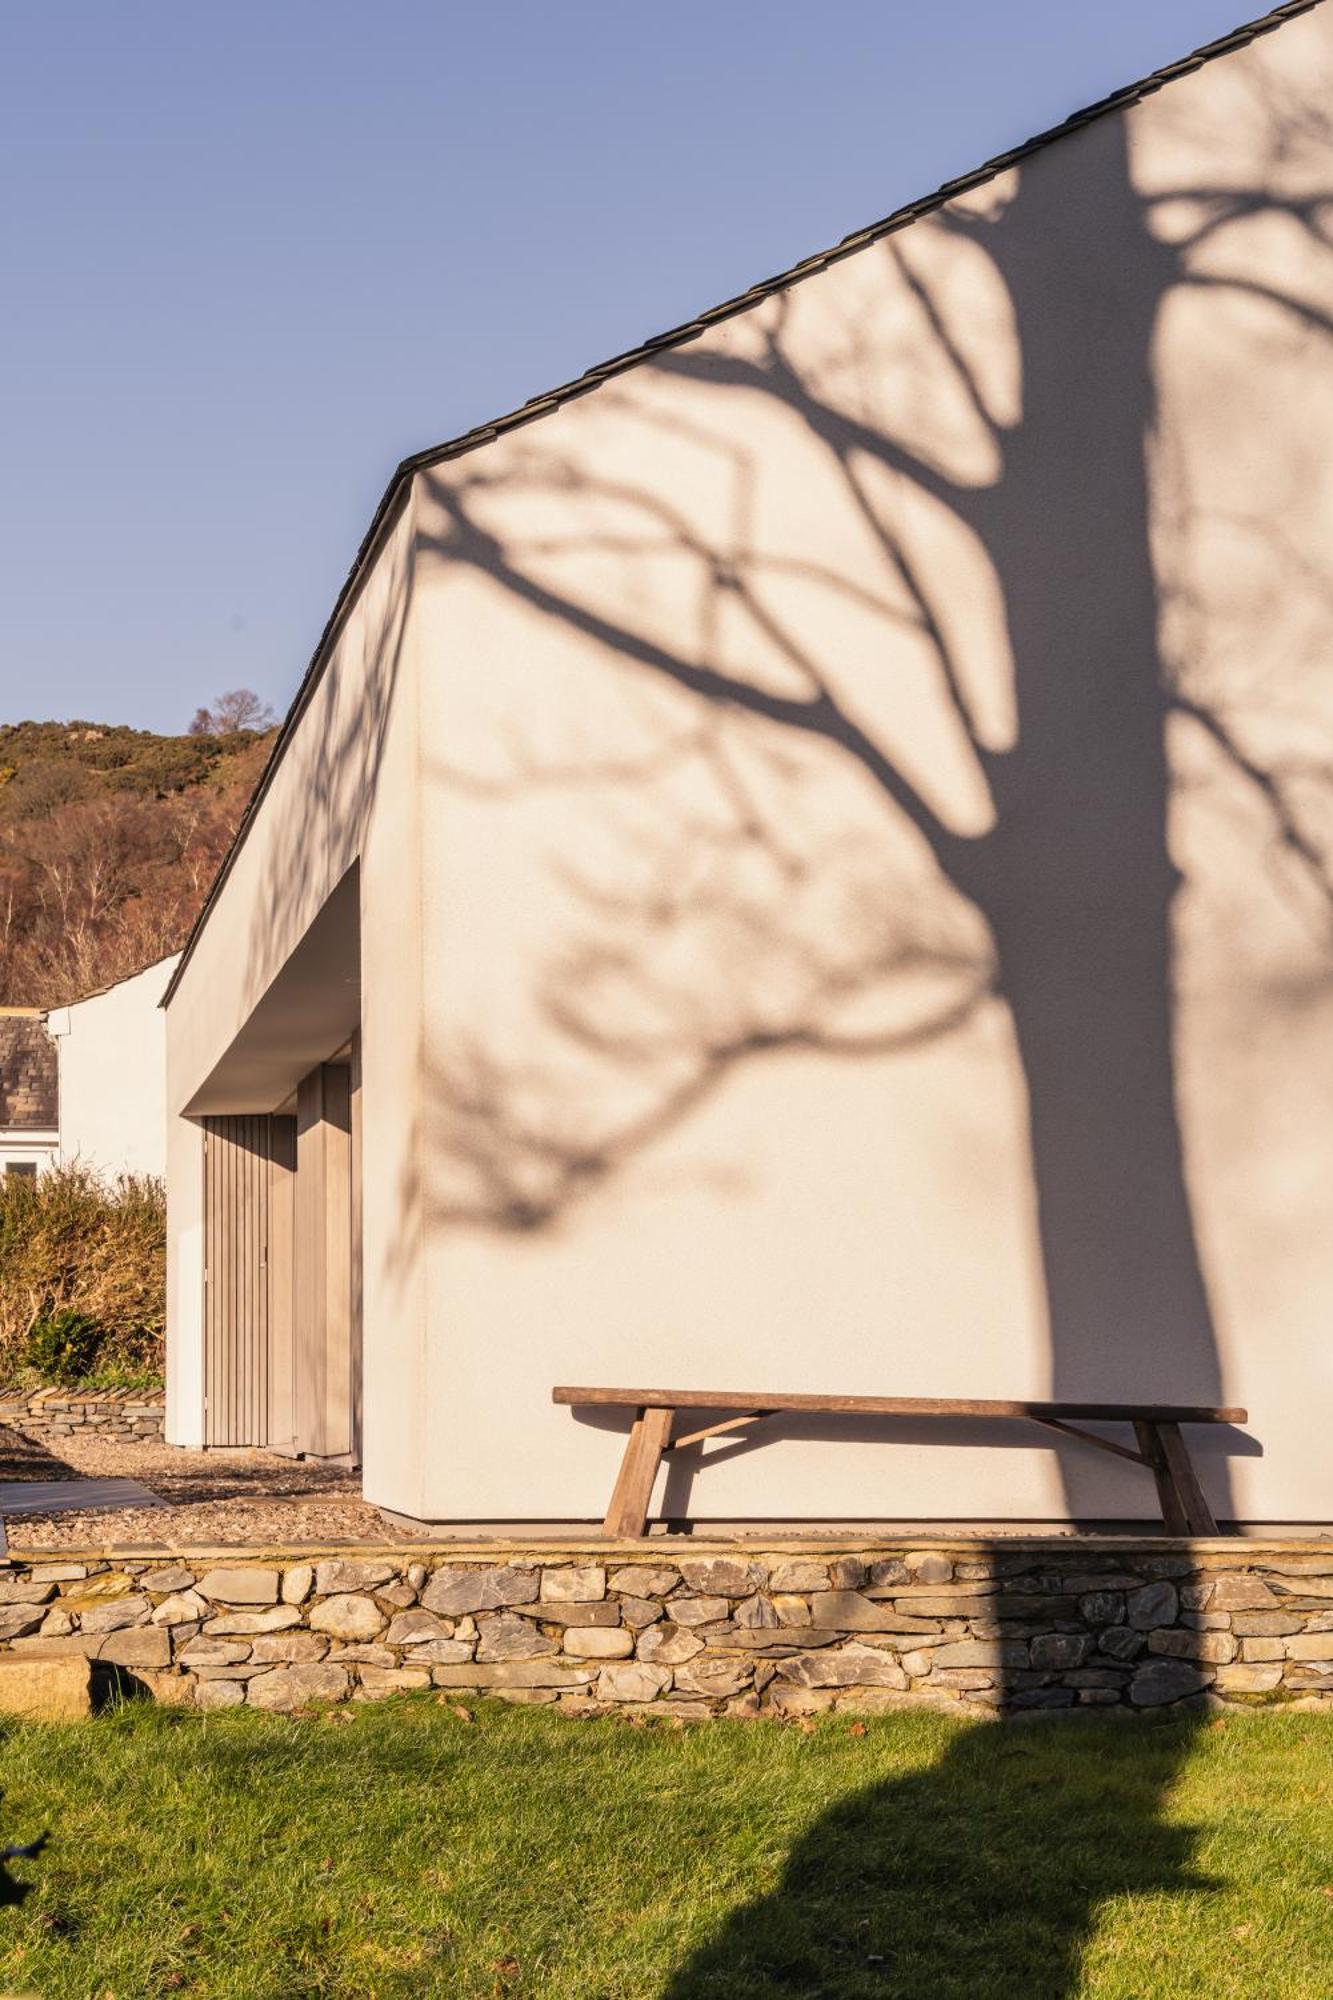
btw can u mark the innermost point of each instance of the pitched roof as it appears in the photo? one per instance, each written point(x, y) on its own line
point(96, 992)
point(677, 336)
point(28, 1101)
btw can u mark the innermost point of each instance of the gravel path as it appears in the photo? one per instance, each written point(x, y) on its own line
point(214, 1496)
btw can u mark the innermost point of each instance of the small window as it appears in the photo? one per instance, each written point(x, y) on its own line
point(25, 1167)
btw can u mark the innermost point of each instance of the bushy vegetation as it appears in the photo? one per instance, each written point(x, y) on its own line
point(82, 1277)
point(426, 1847)
point(109, 838)
point(64, 1347)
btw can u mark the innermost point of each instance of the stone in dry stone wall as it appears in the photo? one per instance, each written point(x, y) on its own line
point(976, 1628)
point(240, 1585)
point(287, 1688)
point(348, 1616)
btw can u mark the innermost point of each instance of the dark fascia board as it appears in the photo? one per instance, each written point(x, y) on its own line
point(395, 495)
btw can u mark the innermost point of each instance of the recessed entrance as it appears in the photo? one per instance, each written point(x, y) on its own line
point(282, 1206)
point(281, 1271)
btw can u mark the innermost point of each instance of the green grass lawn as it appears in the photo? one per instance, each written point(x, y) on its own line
point(401, 1849)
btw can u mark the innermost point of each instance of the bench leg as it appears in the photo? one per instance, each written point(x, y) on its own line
point(1184, 1508)
point(1198, 1514)
point(627, 1516)
point(1150, 1445)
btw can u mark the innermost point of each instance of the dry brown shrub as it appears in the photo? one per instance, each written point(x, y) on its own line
point(73, 1240)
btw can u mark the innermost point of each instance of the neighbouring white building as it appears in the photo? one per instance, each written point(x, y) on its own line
point(111, 1064)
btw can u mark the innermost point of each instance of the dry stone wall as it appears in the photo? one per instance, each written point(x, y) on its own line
point(121, 1413)
point(672, 1627)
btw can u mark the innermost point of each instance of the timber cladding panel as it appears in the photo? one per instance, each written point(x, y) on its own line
point(323, 1261)
point(243, 1197)
point(278, 1281)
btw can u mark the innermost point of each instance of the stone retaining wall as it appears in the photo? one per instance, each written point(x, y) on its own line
point(678, 1627)
point(126, 1413)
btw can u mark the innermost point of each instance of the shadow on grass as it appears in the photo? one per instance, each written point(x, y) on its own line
point(984, 1875)
point(12, 1892)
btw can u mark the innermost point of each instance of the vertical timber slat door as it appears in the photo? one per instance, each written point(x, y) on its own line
point(323, 1281)
point(281, 1285)
point(237, 1191)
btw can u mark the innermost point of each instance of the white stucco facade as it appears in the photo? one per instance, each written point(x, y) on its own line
point(831, 868)
point(111, 1051)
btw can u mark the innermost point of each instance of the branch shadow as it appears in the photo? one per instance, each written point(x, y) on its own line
point(13, 1892)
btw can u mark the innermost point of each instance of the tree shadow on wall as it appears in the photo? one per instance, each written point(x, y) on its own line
point(982, 1877)
point(1039, 519)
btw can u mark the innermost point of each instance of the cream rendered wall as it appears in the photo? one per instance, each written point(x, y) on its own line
point(111, 1050)
point(875, 853)
point(342, 794)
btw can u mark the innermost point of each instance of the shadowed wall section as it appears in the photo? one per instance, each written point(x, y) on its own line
point(325, 885)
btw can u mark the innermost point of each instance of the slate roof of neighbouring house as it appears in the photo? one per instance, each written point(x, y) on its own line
point(28, 1100)
point(592, 378)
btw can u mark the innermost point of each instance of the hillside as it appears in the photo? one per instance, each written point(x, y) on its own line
point(109, 838)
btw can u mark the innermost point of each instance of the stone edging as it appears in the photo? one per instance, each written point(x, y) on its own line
point(667, 1628)
point(124, 1413)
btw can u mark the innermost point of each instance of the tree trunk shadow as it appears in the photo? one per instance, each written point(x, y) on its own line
point(982, 1875)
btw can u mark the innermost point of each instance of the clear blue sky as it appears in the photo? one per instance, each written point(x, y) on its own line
point(256, 251)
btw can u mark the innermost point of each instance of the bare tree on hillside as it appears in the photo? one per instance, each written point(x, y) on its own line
point(239, 709)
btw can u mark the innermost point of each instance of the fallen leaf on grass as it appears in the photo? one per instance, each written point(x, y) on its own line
point(455, 1708)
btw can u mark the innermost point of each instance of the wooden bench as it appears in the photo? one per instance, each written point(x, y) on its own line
point(1156, 1428)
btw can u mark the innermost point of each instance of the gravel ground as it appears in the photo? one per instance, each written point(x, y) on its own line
point(213, 1496)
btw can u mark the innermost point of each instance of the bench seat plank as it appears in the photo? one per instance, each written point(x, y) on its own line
point(896, 1406)
point(1162, 1449)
